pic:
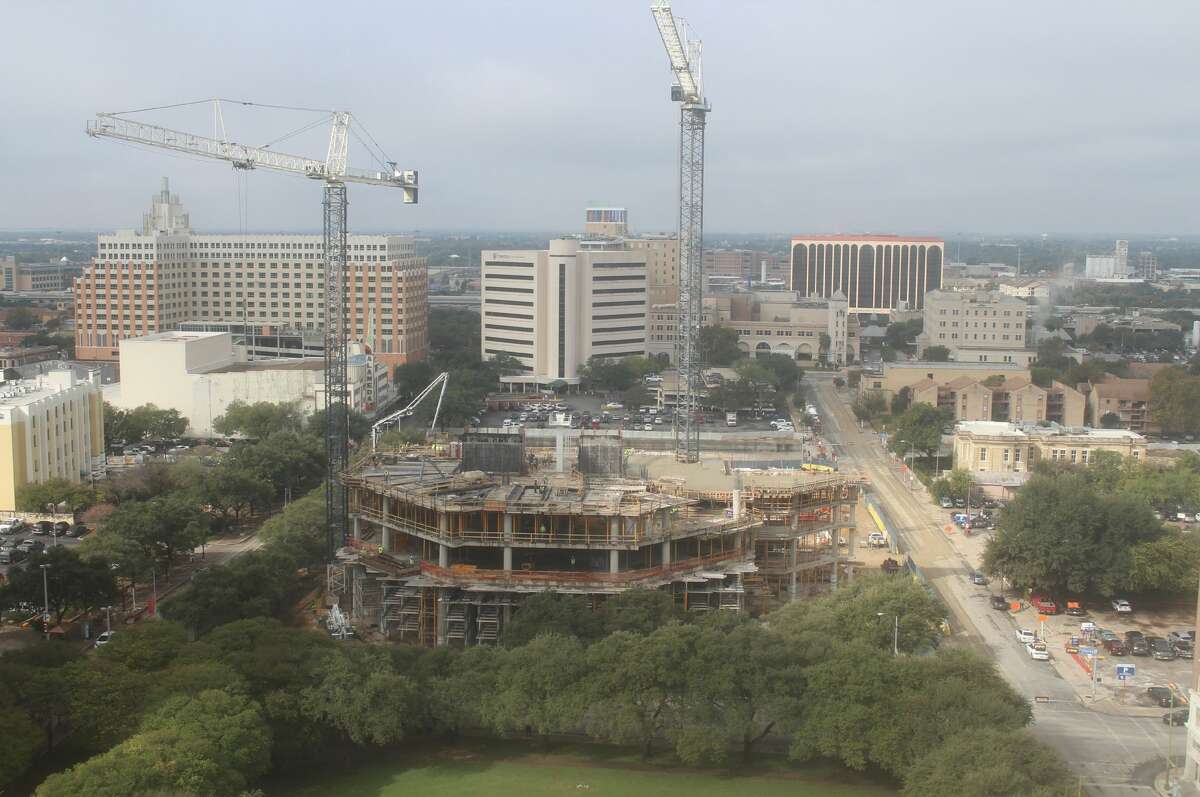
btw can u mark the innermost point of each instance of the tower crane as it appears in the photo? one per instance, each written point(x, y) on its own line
point(335, 173)
point(688, 90)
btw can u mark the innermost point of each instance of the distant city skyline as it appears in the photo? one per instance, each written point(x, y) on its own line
point(1028, 118)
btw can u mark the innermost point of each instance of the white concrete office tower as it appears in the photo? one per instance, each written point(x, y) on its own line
point(1122, 258)
point(555, 308)
point(1114, 266)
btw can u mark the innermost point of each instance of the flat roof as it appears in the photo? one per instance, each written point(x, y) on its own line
point(870, 238)
point(173, 336)
point(951, 364)
point(274, 364)
point(1005, 429)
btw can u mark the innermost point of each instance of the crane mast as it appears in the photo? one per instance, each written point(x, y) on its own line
point(685, 59)
point(335, 172)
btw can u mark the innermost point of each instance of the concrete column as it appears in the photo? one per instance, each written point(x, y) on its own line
point(444, 523)
point(614, 561)
point(614, 529)
point(737, 503)
point(386, 542)
point(666, 552)
point(507, 558)
point(442, 606)
point(508, 528)
point(560, 451)
point(355, 531)
point(443, 556)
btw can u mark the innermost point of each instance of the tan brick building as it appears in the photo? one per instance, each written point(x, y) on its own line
point(997, 447)
point(152, 280)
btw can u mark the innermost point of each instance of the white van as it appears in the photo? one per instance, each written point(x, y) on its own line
point(731, 419)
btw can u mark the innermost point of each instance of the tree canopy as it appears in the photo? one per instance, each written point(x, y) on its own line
point(719, 345)
point(918, 430)
point(259, 420)
point(146, 422)
point(1062, 534)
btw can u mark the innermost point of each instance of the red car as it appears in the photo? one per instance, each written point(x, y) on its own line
point(1043, 604)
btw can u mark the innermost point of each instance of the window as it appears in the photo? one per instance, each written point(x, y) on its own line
point(983, 455)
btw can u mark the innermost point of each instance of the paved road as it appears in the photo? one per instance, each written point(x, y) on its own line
point(1113, 755)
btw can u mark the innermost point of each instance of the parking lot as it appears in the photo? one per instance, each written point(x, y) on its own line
point(1065, 633)
point(10, 541)
point(623, 418)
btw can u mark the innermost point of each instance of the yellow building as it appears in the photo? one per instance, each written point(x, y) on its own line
point(998, 447)
point(51, 427)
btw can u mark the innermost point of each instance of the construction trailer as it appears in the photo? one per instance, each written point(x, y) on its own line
point(439, 558)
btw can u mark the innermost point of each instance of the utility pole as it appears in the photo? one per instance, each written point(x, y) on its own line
point(46, 600)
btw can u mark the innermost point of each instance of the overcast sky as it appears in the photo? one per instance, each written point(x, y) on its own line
point(828, 116)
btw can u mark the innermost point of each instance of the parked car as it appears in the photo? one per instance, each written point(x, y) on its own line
point(78, 530)
point(1037, 651)
point(1116, 647)
point(1175, 636)
point(1185, 649)
point(1162, 650)
point(1044, 604)
point(1163, 696)
point(42, 527)
point(10, 556)
point(1025, 636)
point(60, 528)
point(1136, 641)
point(877, 539)
point(947, 502)
point(1177, 717)
point(11, 526)
point(1000, 603)
point(1122, 606)
point(979, 579)
point(1075, 609)
point(104, 638)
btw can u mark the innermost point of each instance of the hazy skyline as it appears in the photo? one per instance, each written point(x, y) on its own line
point(928, 117)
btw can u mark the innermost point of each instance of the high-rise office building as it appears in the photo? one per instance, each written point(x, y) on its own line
point(876, 273)
point(555, 308)
point(164, 275)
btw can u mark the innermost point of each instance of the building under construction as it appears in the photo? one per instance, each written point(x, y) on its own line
point(443, 556)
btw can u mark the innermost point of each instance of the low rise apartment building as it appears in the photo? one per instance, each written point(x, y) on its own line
point(997, 447)
point(51, 427)
point(1127, 399)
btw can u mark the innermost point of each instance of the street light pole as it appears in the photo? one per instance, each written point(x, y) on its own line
point(46, 599)
point(108, 618)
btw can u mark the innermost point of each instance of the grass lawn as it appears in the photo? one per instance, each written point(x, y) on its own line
point(511, 771)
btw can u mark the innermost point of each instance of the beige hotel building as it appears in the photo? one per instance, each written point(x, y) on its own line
point(155, 279)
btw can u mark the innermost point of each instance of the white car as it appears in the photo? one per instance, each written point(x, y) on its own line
point(104, 638)
point(877, 539)
point(1122, 606)
point(1037, 651)
point(1025, 636)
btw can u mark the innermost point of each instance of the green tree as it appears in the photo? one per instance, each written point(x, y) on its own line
point(146, 422)
point(1170, 564)
point(641, 611)
point(23, 741)
point(359, 424)
point(145, 647)
point(260, 420)
point(732, 395)
point(1110, 420)
point(291, 462)
point(552, 612)
point(19, 318)
point(1175, 400)
point(537, 687)
point(919, 430)
point(106, 700)
point(212, 743)
point(70, 583)
point(937, 354)
point(1060, 534)
point(987, 763)
point(36, 496)
point(719, 346)
point(901, 335)
point(358, 694)
point(636, 684)
point(230, 490)
point(164, 527)
point(738, 675)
